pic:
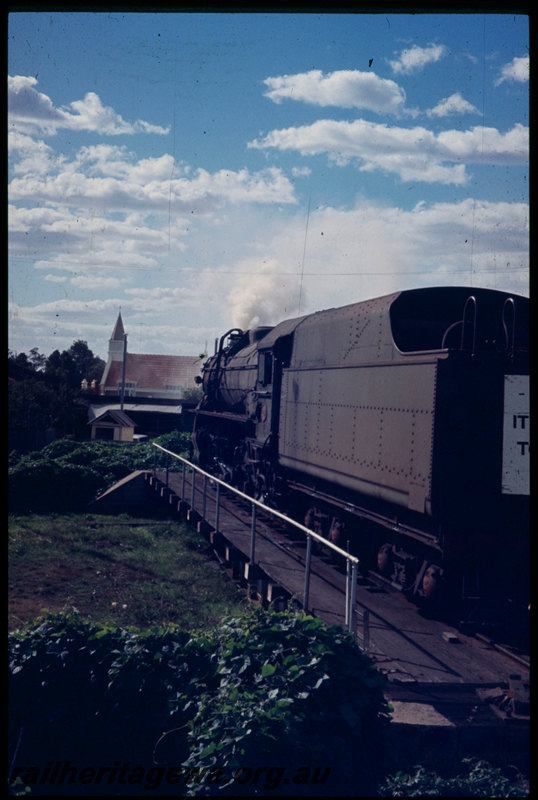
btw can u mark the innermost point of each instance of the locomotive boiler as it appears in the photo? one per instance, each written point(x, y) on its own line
point(398, 426)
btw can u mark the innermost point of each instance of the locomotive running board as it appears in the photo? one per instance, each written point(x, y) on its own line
point(365, 513)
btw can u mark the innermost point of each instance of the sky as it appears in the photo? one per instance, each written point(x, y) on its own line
point(203, 171)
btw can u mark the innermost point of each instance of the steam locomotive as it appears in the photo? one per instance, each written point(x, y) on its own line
point(398, 427)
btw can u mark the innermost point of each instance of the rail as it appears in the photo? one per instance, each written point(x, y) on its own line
point(352, 562)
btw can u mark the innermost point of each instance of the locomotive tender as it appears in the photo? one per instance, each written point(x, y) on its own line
point(399, 425)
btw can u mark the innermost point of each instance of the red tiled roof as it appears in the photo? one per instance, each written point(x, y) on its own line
point(155, 372)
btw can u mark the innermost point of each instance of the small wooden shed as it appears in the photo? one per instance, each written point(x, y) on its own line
point(113, 425)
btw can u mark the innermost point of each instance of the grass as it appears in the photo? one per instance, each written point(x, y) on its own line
point(115, 569)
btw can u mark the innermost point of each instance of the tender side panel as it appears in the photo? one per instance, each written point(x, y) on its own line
point(368, 429)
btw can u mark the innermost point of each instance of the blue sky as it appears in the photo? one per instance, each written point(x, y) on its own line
point(206, 171)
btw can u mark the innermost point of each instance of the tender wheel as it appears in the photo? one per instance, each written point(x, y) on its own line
point(311, 522)
point(385, 561)
point(432, 580)
point(337, 532)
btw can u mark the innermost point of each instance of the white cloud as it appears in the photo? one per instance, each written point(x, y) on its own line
point(415, 154)
point(29, 156)
point(517, 70)
point(374, 249)
point(486, 145)
point(301, 172)
point(96, 283)
point(70, 240)
point(455, 104)
point(343, 88)
point(31, 111)
point(348, 255)
point(416, 58)
point(216, 247)
point(110, 178)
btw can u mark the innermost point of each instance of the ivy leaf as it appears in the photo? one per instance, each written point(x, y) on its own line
point(268, 670)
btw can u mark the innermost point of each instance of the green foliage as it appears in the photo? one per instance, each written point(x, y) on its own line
point(84, 691)
point(288, 690)
point(42, 484)
point(259, 690)
point(192, 395)
point(32, 404)
point(480, 780)
point(66, 475)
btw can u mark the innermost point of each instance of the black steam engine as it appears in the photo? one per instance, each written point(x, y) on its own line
point(399, 425)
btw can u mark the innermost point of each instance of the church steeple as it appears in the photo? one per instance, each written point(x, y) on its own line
point(118, 332)
point(116, 344)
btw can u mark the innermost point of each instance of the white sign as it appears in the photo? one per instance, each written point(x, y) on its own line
point(516, 435)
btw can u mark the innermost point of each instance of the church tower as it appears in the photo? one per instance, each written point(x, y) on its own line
point(116, 349)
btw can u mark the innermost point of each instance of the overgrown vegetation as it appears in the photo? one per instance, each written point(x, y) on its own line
point(260, 702)
point(109, 697)
point(66, 475)
point(479, 779)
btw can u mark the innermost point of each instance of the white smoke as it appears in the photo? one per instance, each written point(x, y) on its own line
point(263, 295)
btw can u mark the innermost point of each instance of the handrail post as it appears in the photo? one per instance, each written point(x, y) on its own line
point(352, 614)
point(167, 468)
point(193, 482)
point(366, 629)
point(307, 571)
point(217, 508)
point(252, 534)
point(204, 497)
point(348, 592)
point(154, 463)
point(348, 589)
point(352, 562)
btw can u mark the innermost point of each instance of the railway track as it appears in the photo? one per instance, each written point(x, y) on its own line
point(410, 648)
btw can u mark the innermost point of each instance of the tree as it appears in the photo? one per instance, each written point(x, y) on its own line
point(37, 359)
point(31, 405)
point(60, 370)
point(86, 364)
point(46, 392)
point(71, 366)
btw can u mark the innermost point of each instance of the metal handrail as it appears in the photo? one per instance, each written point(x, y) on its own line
point(510, 346)
point(274, 512)
point(471, 300)
point(463, 321)
point(351, 574)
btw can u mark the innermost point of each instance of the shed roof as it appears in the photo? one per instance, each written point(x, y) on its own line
point(97, 410)
point(118, 417)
